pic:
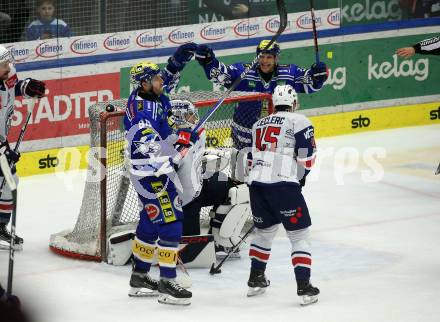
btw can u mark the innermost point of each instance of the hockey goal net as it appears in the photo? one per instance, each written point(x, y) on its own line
point(110, 205)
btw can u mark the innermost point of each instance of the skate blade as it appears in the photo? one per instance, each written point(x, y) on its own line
point(254, 291)
point(170, 300)
point(308, 299)
point(142, 292)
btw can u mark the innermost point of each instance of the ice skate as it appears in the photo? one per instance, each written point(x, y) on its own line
point(257, 283)
point(170, 292)
point(142, 285)
point(307, 293)
point(5, 239)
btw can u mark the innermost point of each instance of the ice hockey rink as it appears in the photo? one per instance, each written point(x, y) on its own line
point(375, 207)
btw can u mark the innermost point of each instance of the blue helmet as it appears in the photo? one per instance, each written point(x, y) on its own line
point(274, 48)
point(144, 71)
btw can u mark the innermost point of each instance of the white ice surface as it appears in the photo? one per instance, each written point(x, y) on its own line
point(376, 250)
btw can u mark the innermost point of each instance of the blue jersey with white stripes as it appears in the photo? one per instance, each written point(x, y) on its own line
point(247, 113)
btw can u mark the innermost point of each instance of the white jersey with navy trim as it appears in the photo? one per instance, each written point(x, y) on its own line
point(7, 97)
point(190, 171)
point(283, 148)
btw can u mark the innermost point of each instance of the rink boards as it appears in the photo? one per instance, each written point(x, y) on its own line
point(73, 158)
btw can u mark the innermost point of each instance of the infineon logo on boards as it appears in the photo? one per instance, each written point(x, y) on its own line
point(83, 46)
point(245, 29)
point(48, 50)
point(149, 40)
point(210, 32)
point(115, 43)
point(273, 24)
point(305, 21)
point(178, 36)
point(19, 54)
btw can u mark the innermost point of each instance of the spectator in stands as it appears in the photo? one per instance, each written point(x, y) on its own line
point(47, 25)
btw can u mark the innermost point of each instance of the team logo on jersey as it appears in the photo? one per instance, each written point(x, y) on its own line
point(177, 203)
point(140, 106)
point(218, 76)
point(147, 144)
point(152, 211)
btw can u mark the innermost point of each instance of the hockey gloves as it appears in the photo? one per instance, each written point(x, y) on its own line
point(204, 55)
point(182, 55)
point(33, 88)
point(10, 155)
point(319, 72)
point(185, 139)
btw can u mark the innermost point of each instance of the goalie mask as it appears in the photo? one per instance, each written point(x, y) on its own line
point(285, 98)
point(183, 114)
point(144, 71)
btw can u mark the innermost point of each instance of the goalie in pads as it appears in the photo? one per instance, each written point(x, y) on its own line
point(283, 153)
point(231, 202)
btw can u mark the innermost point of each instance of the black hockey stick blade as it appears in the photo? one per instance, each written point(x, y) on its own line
point(283, 24)
point(214, 269)
point(438, 169)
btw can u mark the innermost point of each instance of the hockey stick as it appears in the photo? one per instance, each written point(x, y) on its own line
point(185, 281)
point(283, 23)
point(17, 145)
point(14, 212)
point(315, 33)
point(438, 169)
point(216, 269)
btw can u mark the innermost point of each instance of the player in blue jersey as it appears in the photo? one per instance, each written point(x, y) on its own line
point(152, 169)
point(268, 74)
point(283, 152)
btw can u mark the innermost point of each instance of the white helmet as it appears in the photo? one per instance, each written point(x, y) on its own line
point(184, 114)
point(5, 55)
point(285, 95)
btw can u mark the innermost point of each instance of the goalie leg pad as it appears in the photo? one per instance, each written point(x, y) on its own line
point(197, 251)
point(230, 219)
point(120, 247)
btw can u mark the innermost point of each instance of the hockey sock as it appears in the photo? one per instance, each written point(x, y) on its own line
point(143, 252)
point(301, 255)
point(259, 257)
point(167, 258)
